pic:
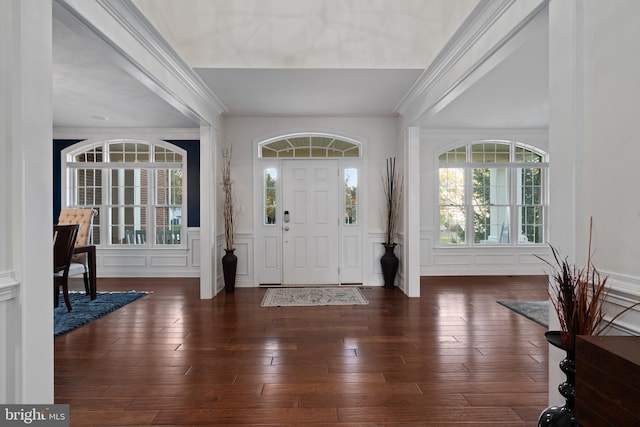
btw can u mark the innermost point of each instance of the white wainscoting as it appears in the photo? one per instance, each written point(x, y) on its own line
point(9, 336)
point(245, 276)
point(132, 261)
point(624, 291)
point(489, 260)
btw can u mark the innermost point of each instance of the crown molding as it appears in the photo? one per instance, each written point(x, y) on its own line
point(140, 49)
point(112, 133)
point(471, 51)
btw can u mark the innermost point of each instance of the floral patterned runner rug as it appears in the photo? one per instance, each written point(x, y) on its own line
point(302, 296)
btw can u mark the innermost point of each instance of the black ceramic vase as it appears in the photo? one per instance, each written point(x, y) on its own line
point(229, 266)
point(389, 263)
point(562, 416)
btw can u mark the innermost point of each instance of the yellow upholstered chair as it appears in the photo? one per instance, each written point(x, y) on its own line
point(83, 217)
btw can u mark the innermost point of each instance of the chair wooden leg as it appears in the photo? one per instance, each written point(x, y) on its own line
point(65, 293)
point(56, 296)
point(87, 288)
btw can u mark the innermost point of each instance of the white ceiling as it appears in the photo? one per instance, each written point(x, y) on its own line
point(89, 90)
point(513, 94)
point(309, 92)
point(92, 91)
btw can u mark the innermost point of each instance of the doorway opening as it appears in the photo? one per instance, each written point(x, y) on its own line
point(308, 221)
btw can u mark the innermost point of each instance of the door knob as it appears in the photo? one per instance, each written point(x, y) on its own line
point(286, 229)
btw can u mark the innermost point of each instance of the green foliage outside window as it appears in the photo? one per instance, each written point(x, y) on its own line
point(504, 199)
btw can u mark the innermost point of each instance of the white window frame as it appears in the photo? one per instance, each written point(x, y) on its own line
point(514, 185)
point(69, 186)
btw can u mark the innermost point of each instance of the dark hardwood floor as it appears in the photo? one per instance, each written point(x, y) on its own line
point(453, 357)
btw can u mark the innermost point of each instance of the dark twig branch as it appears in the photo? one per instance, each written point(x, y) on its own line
point(227, 206)
point(578, 296)
point(392, 186)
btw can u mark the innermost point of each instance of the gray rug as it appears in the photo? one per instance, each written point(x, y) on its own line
point(289, 297)
point(538, 311)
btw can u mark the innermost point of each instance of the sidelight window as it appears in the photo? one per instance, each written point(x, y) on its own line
point(270, 181)
point(351, 196)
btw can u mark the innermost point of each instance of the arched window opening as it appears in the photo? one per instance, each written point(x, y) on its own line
point(136, 186)
point(309, 145)
point(492, 193)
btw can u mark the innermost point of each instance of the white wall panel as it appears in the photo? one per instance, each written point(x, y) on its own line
point(168, 261)
point(495, 259)
point(624, 291)
point(452, 259)
point(148, 262)
point(117, 261)
point(9, 289)
point(242, 252)
point(194, 244)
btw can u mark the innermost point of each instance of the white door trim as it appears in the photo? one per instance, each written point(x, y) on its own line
point(352, 239)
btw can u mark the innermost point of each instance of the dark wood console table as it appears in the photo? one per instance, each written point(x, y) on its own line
point(607, 381)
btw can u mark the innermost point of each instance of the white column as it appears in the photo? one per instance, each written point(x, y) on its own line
point(6, 39)
point(566, 125)
point(208, 191)
point(412, 212)
point(26, 138)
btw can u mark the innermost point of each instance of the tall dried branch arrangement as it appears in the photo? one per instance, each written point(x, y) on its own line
point(392, 186)
point(227, 207)
point(578, 296)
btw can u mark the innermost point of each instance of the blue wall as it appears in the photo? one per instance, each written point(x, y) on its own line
point(192, 147)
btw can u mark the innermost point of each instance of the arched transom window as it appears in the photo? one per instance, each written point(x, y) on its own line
point(492, 193)
point(309, 146)
point(137, 187)
point(316, 146)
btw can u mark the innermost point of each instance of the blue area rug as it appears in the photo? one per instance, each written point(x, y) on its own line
point(538, 311)
point(84, 310)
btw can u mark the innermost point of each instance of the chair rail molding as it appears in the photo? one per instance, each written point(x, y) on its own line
point(8, 286)
point(10, 328)
point(624, 291)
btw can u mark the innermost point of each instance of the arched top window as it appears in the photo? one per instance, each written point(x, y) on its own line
point(309, 145)
point(126, 151)
point(493, 152)
point(492, 193)
point(136, 186)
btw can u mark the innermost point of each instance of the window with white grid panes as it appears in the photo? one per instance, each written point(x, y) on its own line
point(492, 193)
point(136, 186)
point(305, 146)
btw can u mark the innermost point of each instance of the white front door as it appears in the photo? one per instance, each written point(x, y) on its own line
point(310, 223)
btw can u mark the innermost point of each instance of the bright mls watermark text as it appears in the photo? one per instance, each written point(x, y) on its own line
point(34, 415)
